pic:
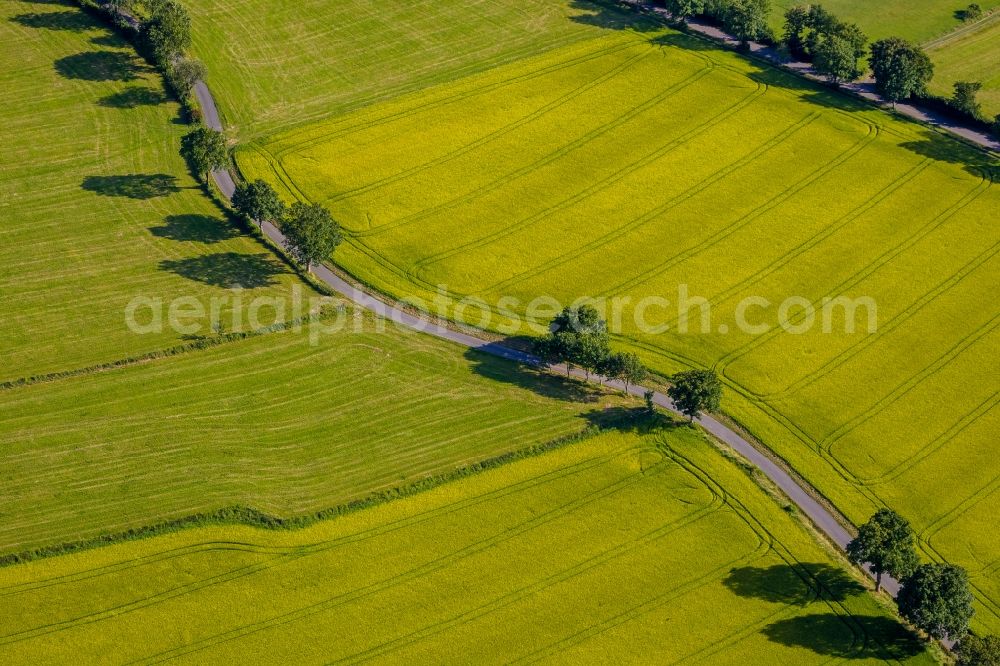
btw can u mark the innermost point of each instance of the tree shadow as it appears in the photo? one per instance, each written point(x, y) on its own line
point(846, 637)
point(230, 270)
point(686, 42)
point(99, 66)
point(135, 186)
point(636, 419)
point(110, 39)
point(532, 378)
point(604, 14)
point(194, 228)
point(945, 149)
point(797, 584)
point(132, 97)
point(75, 21)
point(811, 91)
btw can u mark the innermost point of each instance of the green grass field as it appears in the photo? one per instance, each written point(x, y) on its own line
point(277, 64)
point(629, 168)
point(616, 549)
point(970, 54)
point(98, 206)
point(273, 423)
point(916, 20)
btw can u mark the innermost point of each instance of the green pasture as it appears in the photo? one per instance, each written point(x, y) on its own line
point(97, 206)
point(628, 167)
point(277, 64)
point(275, 423)
point(916, 20)
point(970, 54)
point(616, 549)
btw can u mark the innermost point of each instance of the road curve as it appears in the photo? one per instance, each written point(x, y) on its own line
point(821, 517)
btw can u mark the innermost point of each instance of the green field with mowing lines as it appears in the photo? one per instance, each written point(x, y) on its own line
point(274, 423)
point(916, 20)
point(97, 205)
point(619, 167)
point(276, 64)
point(970, 54)
point(615, 549)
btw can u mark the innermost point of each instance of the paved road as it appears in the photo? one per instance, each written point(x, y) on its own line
point(864, 89)
point(816, 512)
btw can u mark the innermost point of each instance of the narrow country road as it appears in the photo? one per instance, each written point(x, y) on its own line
point(820, 516)
point(865, 89)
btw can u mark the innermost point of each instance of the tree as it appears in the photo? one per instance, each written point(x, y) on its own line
point(835, 59)
point(972, 13)
point(796, 22)
point(634, 370)
point(579, 319)
point(258, 201)
point(821, 23)
point(591, 351)
point(311, 234)
point(964, 97)
point(936, 598)
point(547, 350)
point(183, 73)
point(900, 68)
point(855, 36)
point(168, 31)
point(624, 367)
point(747, 19)
point(886, 543)
point(205, 150)
point(649, 397)
point(695, 391)
point(979, 651)
point(684, 9)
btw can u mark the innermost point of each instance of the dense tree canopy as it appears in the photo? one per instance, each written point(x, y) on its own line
point(168, 31)
point(979, 651)
point(936, 598)
point(886, 543)
point(257, 201)
point(900, 69)
point(311, 233)
point(747, 19)
point(205, 150)
point(684, 9)
point(695, 391)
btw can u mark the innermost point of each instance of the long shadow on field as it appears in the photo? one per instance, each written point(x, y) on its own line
point(135, 186)
point(799, 584)
point(533, 379)
point(99, 66)
point(194, 228)
point(846, 637)
point(110, 39)
point(230, 270)
point(766, 75)
point(132, 97)
point(944, 149)
point(603, 14)
point(68, 20)
point(632, 419)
